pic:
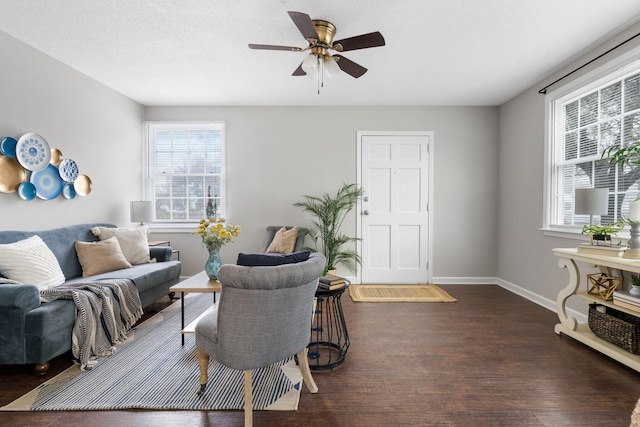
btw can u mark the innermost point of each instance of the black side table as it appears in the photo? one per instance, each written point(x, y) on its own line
point(329, 336)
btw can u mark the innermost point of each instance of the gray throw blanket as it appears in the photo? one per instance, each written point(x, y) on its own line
point(105, 311)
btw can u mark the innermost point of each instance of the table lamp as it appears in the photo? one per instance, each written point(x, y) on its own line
point(142, 211)
point(634, 234)
point(592, 201)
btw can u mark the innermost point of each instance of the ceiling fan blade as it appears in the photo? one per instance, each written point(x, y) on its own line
point(274, 47)
point(363, 41)
point(304, 24)
point(299, 71)
point(349, 67)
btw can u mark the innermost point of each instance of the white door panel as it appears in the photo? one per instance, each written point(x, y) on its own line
point(393, 226)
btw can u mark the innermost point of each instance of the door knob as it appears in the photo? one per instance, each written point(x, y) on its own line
point(365, 199)
point(366, 212)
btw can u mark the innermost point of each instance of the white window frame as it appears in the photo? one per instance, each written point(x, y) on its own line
point(149, 167)
point(626, 64)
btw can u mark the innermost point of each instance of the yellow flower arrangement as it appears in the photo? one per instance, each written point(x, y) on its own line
point(216, 233)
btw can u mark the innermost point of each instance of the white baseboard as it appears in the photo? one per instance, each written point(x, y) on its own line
point(465, 281)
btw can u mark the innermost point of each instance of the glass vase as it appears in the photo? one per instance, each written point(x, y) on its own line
point(214, 262)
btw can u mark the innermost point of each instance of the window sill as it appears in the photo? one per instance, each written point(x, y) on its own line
point(623, 236)
point(173, 228)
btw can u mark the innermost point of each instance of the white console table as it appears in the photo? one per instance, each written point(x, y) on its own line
point(568, 258)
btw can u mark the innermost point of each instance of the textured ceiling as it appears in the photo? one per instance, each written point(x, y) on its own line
point(438, 52)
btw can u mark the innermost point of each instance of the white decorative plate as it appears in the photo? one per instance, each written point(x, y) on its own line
point(33, 152)
point(68, 170)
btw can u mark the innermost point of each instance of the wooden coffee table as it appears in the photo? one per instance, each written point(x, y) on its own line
point(200, 283)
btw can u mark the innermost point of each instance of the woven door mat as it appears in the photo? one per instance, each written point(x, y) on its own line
point(398, 293)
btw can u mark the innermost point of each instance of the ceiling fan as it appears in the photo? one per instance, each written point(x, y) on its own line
point(319, 35)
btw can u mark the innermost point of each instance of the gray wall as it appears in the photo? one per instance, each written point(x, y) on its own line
point(274, 156)
point(277, 154)
point(525, 261)
point(95, 126)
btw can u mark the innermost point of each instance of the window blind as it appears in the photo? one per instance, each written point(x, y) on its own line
point(185, 176)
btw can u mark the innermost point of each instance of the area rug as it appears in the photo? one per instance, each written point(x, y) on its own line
point(152, 370)
point(398, 293)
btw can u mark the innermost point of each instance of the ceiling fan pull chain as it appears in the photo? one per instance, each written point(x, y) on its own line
point(319, 72)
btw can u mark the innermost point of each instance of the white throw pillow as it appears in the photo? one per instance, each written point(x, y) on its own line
point(133, 242)
point(30, 261)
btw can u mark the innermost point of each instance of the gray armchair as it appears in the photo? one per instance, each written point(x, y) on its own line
point(264, 316)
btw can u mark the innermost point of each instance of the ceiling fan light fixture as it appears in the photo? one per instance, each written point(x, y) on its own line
point(331, 66)
point(310, 64)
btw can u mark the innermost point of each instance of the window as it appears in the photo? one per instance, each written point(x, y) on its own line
point(185, 170)
point(584, 123)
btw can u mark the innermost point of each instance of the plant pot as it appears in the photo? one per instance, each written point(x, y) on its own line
point(602, 237)
point(635, 290)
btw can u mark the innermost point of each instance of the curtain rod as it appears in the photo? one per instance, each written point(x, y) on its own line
point(544, 89)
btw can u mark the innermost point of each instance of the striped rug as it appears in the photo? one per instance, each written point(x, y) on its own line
point(152, 370)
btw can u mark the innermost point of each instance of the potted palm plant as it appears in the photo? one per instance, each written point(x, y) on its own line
point(329, 213)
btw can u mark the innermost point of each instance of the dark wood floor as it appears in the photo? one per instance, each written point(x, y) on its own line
point(490, 359)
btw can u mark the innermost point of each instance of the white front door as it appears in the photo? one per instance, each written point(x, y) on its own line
point(394, 171)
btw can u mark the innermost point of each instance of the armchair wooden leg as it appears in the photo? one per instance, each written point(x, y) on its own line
point(303, 362)
point(203, 362)
point(248, 399)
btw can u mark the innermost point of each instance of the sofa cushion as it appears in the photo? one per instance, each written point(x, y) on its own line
point(144, 276)
point(284, 241)
point(133, 242)
point(270, 260)
point(30, 261)
point(99, 257)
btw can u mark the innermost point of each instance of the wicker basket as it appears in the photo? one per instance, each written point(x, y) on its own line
point(616, 327)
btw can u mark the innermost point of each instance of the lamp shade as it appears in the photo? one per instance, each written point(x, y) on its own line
point(592, 201)
point(310, 64)
point(331, 66)
point(141, 211)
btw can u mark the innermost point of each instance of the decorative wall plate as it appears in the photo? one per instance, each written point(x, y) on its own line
point(68, 191)
point(56, 157)
point(33, 152)
point(68, 170)
point(48, 182)
point(27, 191)
point(8, 147)
point(11, 175)
point(82, 185)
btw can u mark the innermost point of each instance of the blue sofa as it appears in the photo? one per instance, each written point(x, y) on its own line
point(35, 332)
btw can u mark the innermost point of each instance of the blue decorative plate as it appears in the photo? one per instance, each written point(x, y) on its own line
point(33, 152)
point(8, 147)
point(68, 191)
point(68, 170)
point(26, 191)
point(48, 182)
